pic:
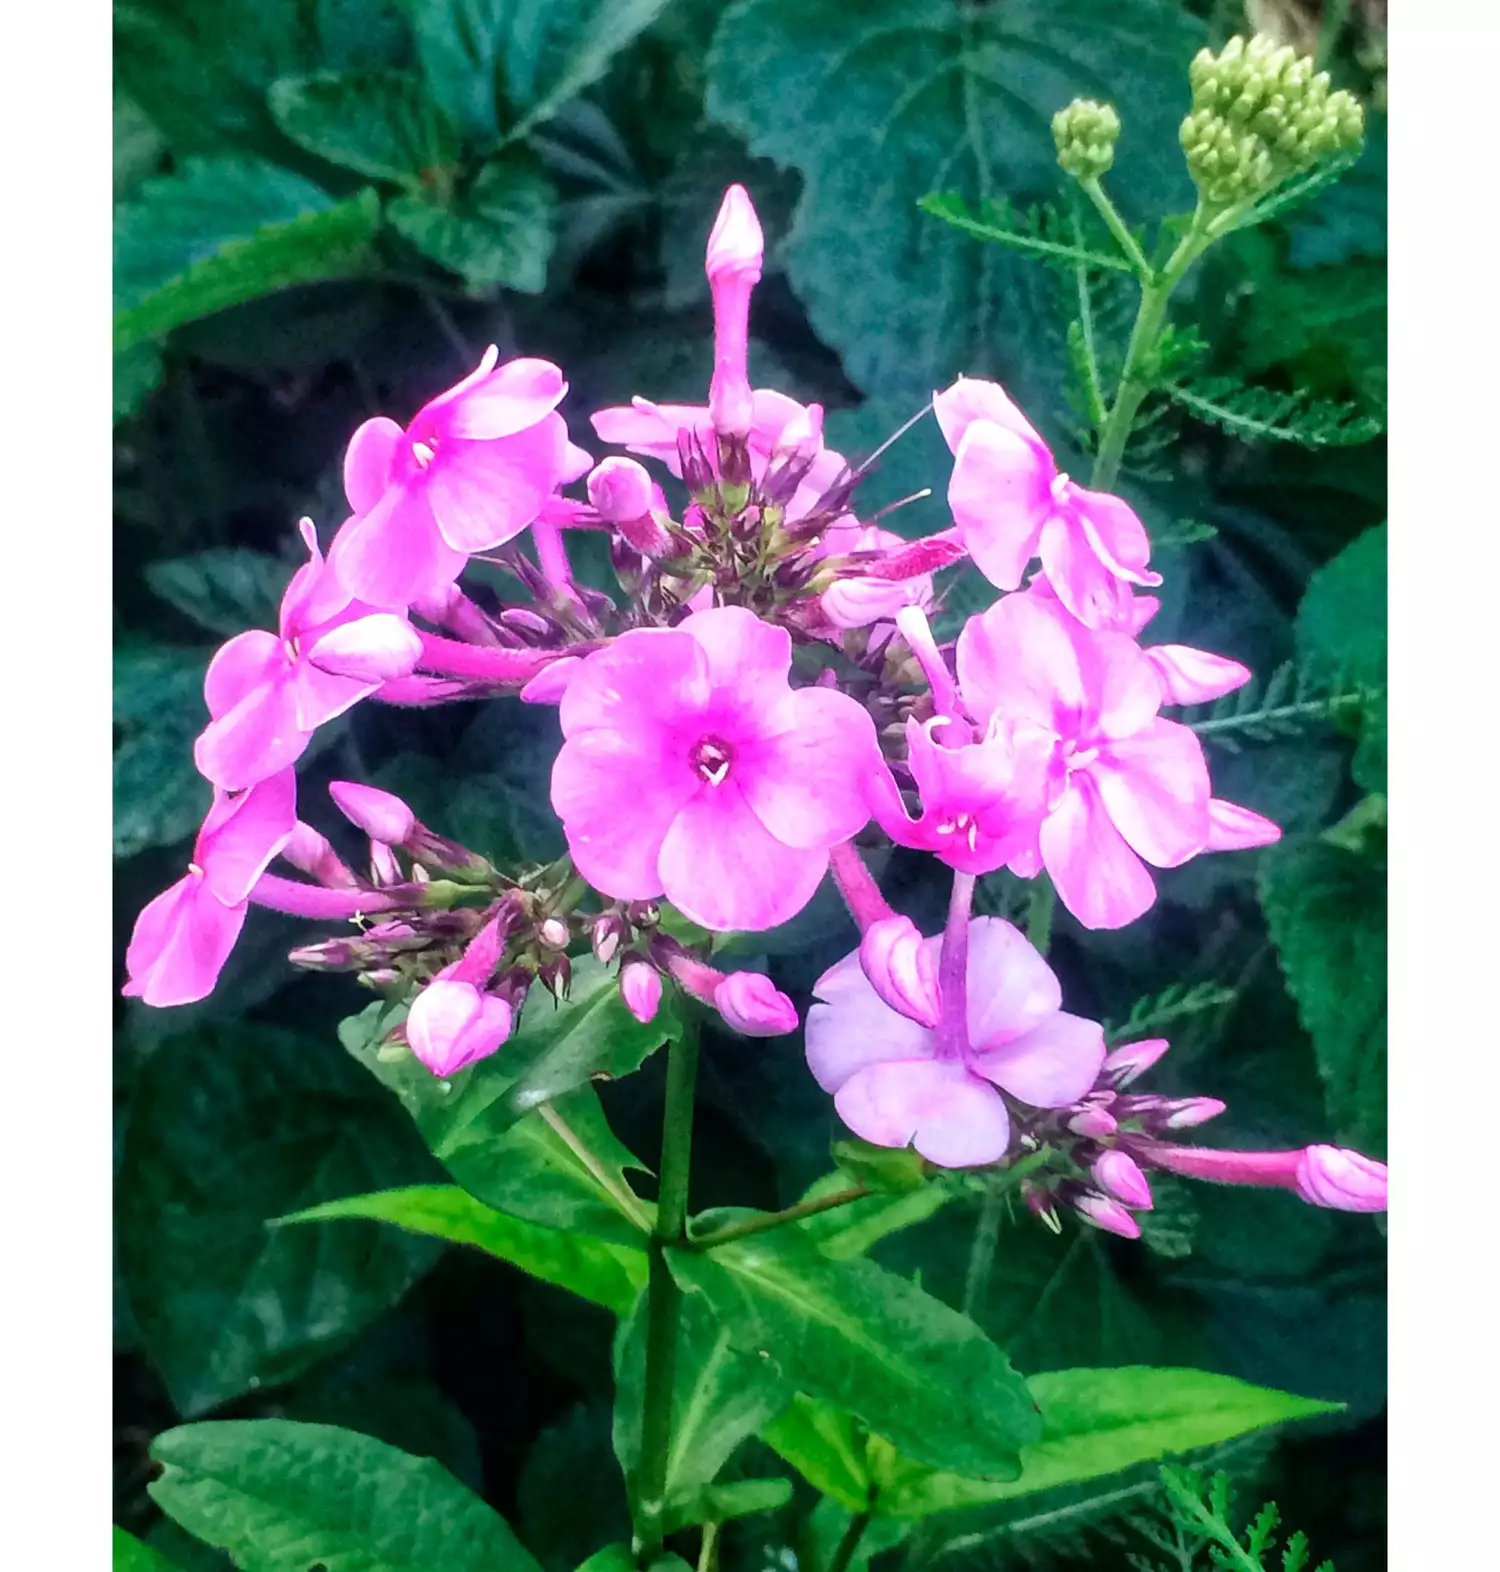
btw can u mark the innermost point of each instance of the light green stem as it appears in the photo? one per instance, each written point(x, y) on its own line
point(793, 1214)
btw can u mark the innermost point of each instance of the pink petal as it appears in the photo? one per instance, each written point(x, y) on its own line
point(1115, 534)
point(485, 493)
point(1233, 828)
point(255, 739)
point(724, 870)
point(807, 782)
point(372, 649)
point(741, 649)
point(1051, 1066)
point(645, 674)
point(975, 398)
point(181, 942)
point(851, 1027)
point(1027, 658)
point(1084, 584)
point(1190, 676)
point(440, 1017)
point(1100, 880)
point(1155, 788)
point(510, 399)
point(394, 554)
point(951, 1117)
point(651, 429)
point(1010, 987)
point(1000, 497)
point(243, 834)
point(243, 664)
point(369, 462)
point(1129, 688)
point(551, 682)
point(320, 696)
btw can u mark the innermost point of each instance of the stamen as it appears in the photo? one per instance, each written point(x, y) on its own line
point(422, 453)
point(195, 870)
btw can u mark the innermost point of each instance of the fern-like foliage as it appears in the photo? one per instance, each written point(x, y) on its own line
point(1290, 702)
point(1184, 532)
point(1255, 414)
point(1298, 191)
point(1200, 1521)
point(1149, 1015)
point(1043, 231)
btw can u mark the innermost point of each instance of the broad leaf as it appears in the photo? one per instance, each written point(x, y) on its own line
point(130, 1555)
point(283, 1497)
point(159, 797)
point(828, 1447)
point(218, 232)
point(378, 123)
point(858, 1336)
point(608, 1274)
point(226, 589)
point(228, 1129)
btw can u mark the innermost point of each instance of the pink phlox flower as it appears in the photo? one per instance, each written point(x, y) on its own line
point(1011, 503)
point(894, 1084)
point(692, 768)
point(453, 1022)
point(267, 693)
point(475, 466)
point(862, 599)
point(1127, 787)
point(183, 938)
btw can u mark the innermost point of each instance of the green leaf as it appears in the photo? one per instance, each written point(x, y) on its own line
point(138, 146)
point(1256, 414)
point(828, 1447)
point(613, 1558)
point(218, 232)
point(937, 96)
point(137, 375)
point(851, 1230)
point(1041, 232)
point(158, 709)
point(378, 123)
point(226, 589)
point(607, 1274)
point(228, 1129)
point(1326, 909)
point(858, 1336)
point(498, 234)
point(1100, 1422)
point(284, 1497)
point(560, 1165)
point(130, 1555)
point(889, 1170)
point(723, 1394)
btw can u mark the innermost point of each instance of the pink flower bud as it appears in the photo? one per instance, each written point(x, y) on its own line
point(1118, 1174)
point(731, 405)
point(735, 244)
point(1095, 1122)
point(1132, 1061)
point(733, 267)
point(902, 969)
point(551, 682)
point(640, 988)
point(380, 814)
point(1107, 1214)
point(1344, 1180)
point(554, 932)
point(452, 1024)
point(1190, 676)
point(384, 869)
point(1188, 1112)
point(1233, 828)
point(620, 489)
point(751, 1003)
point(606, 935)
point(310, 852)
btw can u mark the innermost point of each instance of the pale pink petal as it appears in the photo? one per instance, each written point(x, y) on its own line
point(181, 942)
point(442, 1017)
point(975, 398)
point(646, 673)
point(1190, 676)
point(246, 662)
point(1027, 658)
point(373, 649)
point(255, 739)
point(1115, 533)
point(576, 463)
point(724, 870)
point(509, 399)
point(1344, 1180)
point(1050, 1066)
point(851, 1027)
point(1233, 828)
point(1084, 584)
point(1000, 497)
point(394, 554)
point(741, 649)
point(1010, 987)
point(951, 1117)
point(1099, 879)
point(1129, 688)
point(551, 682)
point(485, 493)
point(242, 836)
point(369, 462)
point(1155, 788)
point(651, 429)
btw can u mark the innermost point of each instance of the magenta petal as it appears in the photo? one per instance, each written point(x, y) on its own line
point(369, 462)
point(1027, 658)
point(951, 1117)
point(644, 673)
point(1155, 788)
point(1084, 584)
point(372, 649)
point(320, 696)
point(1000, 498)
point(1115, 534)
point(1129, 688)
point(1051, 1066)
point(1233, 828)
point(255, 739)
point(180, 945)
point(975, 398)
point(394, 554)
point(242, 834)
point(1190, 676)
point(512, 398)
point(851, 1027)
point(651, 429)
point(1010, 987)
point(723, 869)
point(246, 662)
point(485, 493)
point(441, 1018)
point(1100, 880)
point(740, 647)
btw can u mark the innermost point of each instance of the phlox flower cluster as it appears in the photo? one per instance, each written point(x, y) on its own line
point(765, 688)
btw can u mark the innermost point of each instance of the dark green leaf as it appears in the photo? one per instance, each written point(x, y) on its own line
point(1041, 232)
point(1257, 414)
point(230, 1128)
point(378, 123)
point(158, 708)
point(137, 375)
point(138, 146)
point(613, 1558)
point(858, 1336)
point(560, 1522)
point(739, 1498)
point(130, 1555)
point(608, 1274)
point(284, 1497)
point(225, 590)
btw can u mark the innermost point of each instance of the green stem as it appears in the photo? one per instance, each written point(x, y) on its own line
point(663, 1295)
point(708, 1549)
point(850, 1542)
point(982, 1250)
point(1040, 905)
point(793, 1214)
point(1117, 227)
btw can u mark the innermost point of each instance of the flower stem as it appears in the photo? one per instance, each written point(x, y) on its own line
point(953, 970)
point(1117, 227)
point(844, 1555)
point(663, 1295)
point(793, 1214)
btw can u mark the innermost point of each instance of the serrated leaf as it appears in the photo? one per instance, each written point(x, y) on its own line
point(159, 797)
point(1257, 414)
point(860, 1337)
point(607, 1274)
point(378, 123)
point(1040, 231)
point(282, 1497)
point(218, 232)
point(130, 1555)
point(230, 1128)
point(226, 589)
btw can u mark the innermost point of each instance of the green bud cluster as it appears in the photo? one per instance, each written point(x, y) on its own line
point(1261, 113)
point(1086, 133)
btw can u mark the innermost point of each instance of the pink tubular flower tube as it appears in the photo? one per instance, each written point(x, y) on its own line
point(268, 693)
point(472, 470)
point(183, 937)
point(897, 1083)
point(1011, 503)
point(692, 769)
point(1127, 787)
point(1326, 1176)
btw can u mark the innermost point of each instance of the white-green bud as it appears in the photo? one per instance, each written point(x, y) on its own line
point(1085, 134)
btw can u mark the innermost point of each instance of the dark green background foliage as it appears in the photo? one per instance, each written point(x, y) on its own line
point(328, 209)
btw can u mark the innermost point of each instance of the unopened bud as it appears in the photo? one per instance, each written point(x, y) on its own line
point(607, 934)
point(1118, 1174)
point(1085, 134)
point(1188, 1112)
point(1346, 1181)
point(554, 933)
point(640, 988)
point(1129, 1063)
point(1042, 1203)
point(736, 243)
point(452, 1024)
point(620, 489)
point(902, 968)
point(380, 814)
point(644, 914)
point(384, 868)
point(1095, 1122)
point(751, 1003)
point(309, 851)
point(556, 976)
point(1103, 1212)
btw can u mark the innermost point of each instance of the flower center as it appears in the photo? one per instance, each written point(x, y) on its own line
point(1076, 758)
point(423, 453)
point(961, 823)
point(1060, 486)
point(293, 654)
point(711, 759)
